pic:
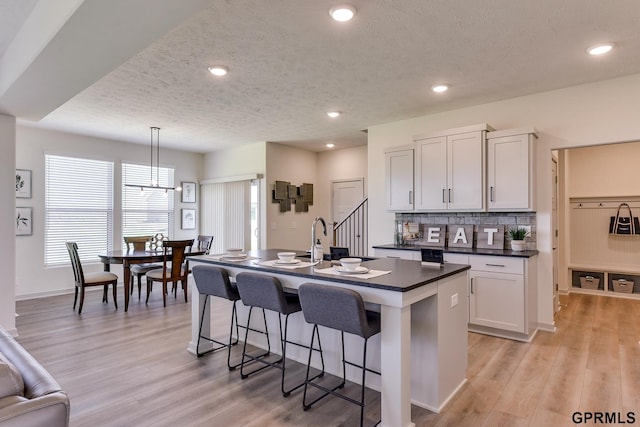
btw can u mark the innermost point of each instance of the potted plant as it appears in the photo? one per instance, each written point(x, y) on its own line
point(517, 238)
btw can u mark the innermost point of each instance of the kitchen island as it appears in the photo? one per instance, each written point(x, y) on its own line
point(421, 351)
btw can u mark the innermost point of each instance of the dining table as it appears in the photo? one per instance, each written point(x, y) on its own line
point(129, 257)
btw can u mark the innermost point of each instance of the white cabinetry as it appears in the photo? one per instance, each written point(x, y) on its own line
point(398, 253)
point(511, 170)
point(399, 179)
point(450, 170)
point(502, 297)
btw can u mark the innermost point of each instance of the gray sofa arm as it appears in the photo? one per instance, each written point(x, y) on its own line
point(46, 411)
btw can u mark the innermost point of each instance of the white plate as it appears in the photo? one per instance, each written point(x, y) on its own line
point(359, 270)
point(293, 261)
point(234, 257)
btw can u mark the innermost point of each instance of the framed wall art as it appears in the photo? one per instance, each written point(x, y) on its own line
point(24, 221)
point(23, 183)
point(188, 219)
point(188, 192)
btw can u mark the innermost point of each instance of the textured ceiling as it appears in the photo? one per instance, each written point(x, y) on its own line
point(290, 63)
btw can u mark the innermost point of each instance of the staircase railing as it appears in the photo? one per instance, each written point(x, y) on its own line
point(353, 231)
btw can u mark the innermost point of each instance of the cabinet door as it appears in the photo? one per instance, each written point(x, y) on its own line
point(465, 175)
point(431, 174)
point(509, 172)
point(399, 180)
point(496, 300)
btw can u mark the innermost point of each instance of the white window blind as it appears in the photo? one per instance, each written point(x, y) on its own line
point(78, 207)
point(148, 212)
point(226, 214)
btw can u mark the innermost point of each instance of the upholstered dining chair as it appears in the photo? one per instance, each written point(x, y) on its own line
point(175, 267)
point(203, 243)
point(103, 278)
point(140, 243)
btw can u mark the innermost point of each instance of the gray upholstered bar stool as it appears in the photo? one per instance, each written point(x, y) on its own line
point(262, 291)
point(214, 282)
point(342, 310)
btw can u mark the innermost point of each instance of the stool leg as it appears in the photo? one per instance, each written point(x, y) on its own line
point(309, 381)
point(259, 357)
point(364, 371)
point(204, 309)
point(234, 319)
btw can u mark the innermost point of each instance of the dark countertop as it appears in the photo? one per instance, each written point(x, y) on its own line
point(405, 274)
point(466, 251)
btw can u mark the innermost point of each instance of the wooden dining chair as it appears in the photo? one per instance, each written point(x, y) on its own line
point(203, 243)
point(102, 278)
point(175, 268)
point(140, 243)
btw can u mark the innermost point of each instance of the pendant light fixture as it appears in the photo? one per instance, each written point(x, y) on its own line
point(154, 166)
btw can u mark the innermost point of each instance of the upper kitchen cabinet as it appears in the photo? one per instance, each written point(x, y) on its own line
point(450, 170)
point(399, 178)
point(511, 170)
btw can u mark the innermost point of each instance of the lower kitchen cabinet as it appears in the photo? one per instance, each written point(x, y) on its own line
point(502, 292)
point(496, 300)
point(502, 296)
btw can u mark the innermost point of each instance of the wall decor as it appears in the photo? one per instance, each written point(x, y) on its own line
point(285, 194)
point(433, 235)
point(188, 219)
point(460, 236)
point(490, 237)
point(23, 183)
point(24, 221)
point(188, 192)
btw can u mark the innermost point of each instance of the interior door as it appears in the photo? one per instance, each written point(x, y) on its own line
point(346, 194)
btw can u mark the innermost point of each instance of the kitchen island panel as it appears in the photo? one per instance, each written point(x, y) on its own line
point(432, 333)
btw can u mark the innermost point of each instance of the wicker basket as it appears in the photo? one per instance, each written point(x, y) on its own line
point(589, 282)
point(623, 285)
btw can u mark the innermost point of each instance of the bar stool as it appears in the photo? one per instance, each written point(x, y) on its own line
point(342, 310)
point(262, 291)
point(214, 282)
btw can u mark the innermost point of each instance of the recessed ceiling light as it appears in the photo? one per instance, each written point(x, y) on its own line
point(600, 49)
point(440, 88)
point(218, 70)
point(333, 114)
point(342, 13)
point(330, 145)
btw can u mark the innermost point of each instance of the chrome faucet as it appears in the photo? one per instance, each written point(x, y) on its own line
point(313, 235)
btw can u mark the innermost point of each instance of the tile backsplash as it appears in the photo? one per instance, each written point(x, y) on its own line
point(508, 219)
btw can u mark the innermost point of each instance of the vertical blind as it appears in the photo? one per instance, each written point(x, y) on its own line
point(78, 207)
point(148, 212)
point(226, 214)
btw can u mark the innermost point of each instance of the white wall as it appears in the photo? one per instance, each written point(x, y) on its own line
point(241, 160)
point(7, 221)
point(604, 171)
point(291, 230)
point(298, 166)
point(576, 116)
point(32, 278)
point(348, 163)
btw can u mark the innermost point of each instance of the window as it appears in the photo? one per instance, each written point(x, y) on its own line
point(149, 211)
point(226, 214)
point(78, 207)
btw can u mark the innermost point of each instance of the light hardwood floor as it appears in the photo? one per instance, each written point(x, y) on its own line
point(132, 369)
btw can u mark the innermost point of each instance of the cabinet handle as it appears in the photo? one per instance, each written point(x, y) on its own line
point(491, 194)
point(449, 195)
point(472, 285)
point(495, 265)
point(443, 200)
point(410, 196)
